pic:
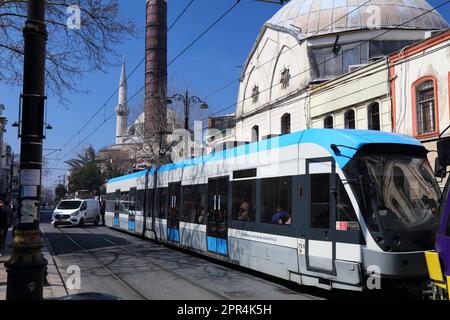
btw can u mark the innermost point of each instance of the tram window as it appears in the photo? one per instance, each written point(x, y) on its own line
point(344, 208)
point(140, 200)
point(125, 196)
point(110, 199)
point(117, 202)
point(133, 196)
point(244, 200)
point(149, 199)
point(162, 202)
point(320, 201)
point(276, 196)
point(193, 204)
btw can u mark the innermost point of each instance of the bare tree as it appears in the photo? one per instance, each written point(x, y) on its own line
point(72, 50)
point(150, 148)
point(113, 162)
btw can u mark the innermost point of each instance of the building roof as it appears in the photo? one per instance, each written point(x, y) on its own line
point(309, 18)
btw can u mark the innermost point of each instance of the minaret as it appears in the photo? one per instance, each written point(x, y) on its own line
point(122, 110)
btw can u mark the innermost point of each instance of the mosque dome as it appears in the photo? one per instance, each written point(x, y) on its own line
point(309, 18)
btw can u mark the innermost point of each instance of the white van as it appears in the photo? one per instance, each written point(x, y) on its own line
point(76, 212)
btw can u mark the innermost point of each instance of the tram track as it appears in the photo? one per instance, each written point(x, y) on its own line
point(177, 275)
point(260, 278)
point(135, 255)
point(103, 265)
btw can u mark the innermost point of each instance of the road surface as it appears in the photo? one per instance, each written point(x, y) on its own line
point(128, 267)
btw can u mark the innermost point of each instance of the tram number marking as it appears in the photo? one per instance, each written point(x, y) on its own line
point(301, 246)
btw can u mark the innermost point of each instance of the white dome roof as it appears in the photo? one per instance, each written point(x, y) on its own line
point(318, 17)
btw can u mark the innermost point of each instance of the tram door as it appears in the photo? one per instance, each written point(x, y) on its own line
point(321, 221)
point(116, 221)
point(132, 210)
point(173, 218)
point(216, 229)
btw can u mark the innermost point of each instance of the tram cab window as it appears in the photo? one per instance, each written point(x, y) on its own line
point(162, 202)
point(194, 198)
point(320, 201)
point(344, 209)
point(244, 200)
point(276, 198)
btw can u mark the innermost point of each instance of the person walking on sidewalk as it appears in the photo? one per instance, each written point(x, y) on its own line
point(15, 219)
point(103, 209)
point(6, 220)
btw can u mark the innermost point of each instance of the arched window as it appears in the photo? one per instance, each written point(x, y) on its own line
point(373, 116)
point(350, 119)
point(285, 77)
point(286, 124)
point(328, 122)
point(255, 94)
point(425, 110)
point(255, 134)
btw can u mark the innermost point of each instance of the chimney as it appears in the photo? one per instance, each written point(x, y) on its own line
point(156, 67)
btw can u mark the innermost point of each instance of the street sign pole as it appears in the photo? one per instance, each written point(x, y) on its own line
point(27, 266)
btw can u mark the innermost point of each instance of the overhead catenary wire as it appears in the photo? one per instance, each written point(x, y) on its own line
point(202, 34)
point(296, 75)
point(327, 60)
point(103, 106)
point(283, 52)
point(349, 80)
point(189, 46)
point(180, 15)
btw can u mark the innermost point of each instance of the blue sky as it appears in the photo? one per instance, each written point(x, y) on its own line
point(213, 62)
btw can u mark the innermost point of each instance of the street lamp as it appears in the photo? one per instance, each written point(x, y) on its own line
point(187, 101)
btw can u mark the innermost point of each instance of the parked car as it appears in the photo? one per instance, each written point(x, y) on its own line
point(76, 212)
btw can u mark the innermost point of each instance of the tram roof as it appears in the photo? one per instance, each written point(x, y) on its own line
point(349, 141)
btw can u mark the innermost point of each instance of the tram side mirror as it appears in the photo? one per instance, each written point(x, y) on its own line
point(439, 171)
point(443, 149)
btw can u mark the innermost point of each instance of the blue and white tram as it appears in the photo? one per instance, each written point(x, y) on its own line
point(326, 208)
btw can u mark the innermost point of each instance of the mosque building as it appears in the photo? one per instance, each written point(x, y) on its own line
point(377, 65)
point(130, 146)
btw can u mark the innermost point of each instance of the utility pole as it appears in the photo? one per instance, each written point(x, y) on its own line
point(11, 175)
point(64, 179)
point(27, 266)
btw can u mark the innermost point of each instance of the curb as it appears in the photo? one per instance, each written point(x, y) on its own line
point(57, 286)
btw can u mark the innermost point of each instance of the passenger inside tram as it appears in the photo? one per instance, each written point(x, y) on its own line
point(200, 214)
point(281, 216)
point(244, 212)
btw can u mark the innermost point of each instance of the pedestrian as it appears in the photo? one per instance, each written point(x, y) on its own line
point(6, 218)
point(103, 210)
point(15, 219)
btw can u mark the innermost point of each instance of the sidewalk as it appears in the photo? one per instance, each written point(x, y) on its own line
point(56, 288)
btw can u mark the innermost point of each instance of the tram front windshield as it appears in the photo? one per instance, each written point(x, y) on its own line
point(401, 199)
